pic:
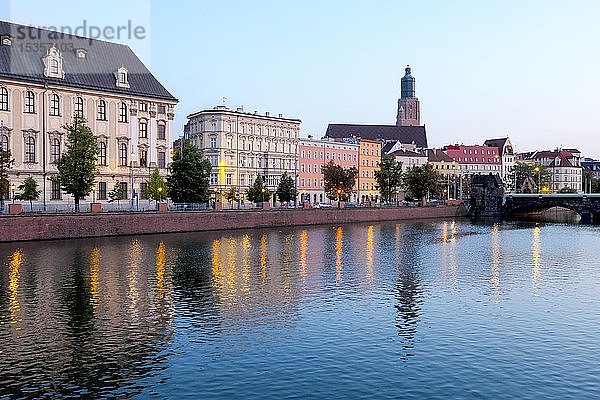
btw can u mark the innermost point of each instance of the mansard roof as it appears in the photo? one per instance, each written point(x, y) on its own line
point(405, 134)
point(22, 61)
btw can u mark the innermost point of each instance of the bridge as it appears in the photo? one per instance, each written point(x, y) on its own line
point(586, 205)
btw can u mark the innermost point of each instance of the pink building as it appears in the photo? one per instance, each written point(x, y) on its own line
point(312, 155)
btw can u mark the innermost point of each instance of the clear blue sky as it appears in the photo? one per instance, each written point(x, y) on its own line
point(484, 69)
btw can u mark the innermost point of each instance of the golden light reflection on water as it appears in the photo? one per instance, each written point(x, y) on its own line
point(95, 258)
point(263, 257)
point(536, 271)
point(231, 266)
point(303, 245)
point(161, 255)
point(16, 261)
point(448, 252)
point(246, 245)
point(495, 259)
point(370, 253)
point(216, 248)
point(338, 253)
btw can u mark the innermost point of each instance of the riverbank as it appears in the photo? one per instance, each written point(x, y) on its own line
point(68, 226)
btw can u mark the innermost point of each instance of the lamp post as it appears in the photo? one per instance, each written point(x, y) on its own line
point(539, 171)
point(160, 190)
point(262, 196)
point(13, 187)
point(339, 193)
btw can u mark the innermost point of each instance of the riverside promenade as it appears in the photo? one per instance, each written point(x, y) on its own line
point(82, 225)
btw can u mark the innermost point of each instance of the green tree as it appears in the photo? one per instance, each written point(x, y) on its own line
point(77, 166)
point(422, 181)
point(338, 181)
point(157, 188)
point(189, 179)
point(6, 162)
point(231, 195)
point(541, 176)
point(286, 190)
point(389, 177)
point(258, 193)
point(29, 191)
point(117, 193)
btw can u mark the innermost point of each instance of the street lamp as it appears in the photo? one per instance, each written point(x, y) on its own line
point(339, 193)
point(539, 171)
point(13, 187)
point(262, 196)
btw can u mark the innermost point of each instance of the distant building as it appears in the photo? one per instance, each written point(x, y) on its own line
point(591, 165)
point(369, 156)
point(410, 159)
point(564, 166)
point(409, 113)
point(241, 146)
point(443, 164)
point(314, 154)
point(475, 159)
point(507, 155)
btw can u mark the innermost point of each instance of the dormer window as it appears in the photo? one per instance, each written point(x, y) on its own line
point(53, 63)
point(6, 40)
point(81, 53)
point(121, 76)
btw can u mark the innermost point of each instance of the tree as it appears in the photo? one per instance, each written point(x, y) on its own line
point(157, 189)
point(422, 181)
point(258, 193)
point(389, 176)
point(117, 193)
point(286, 190)
point(77, 166)
point(6, 162)
point(541, 176)
point(338, 181)
point(231, 195)
point(29, 191)
point(190, 173)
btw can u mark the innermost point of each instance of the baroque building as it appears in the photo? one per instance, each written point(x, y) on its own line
point(241, 146)
point(49, 78)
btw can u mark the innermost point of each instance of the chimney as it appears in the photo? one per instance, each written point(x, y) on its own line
point(240, 109)
point(280, 115)
point(267, 114)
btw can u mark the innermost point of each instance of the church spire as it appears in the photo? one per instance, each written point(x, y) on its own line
point(409, 113)
point(407, 84)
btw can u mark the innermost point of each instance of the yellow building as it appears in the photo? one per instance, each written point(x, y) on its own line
point(369, 156)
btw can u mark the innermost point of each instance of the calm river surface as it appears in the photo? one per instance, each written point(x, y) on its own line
point(435, 309)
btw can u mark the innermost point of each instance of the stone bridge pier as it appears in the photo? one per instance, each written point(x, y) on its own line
point(586, 205)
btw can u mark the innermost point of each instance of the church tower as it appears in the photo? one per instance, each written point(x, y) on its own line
point(408, 105)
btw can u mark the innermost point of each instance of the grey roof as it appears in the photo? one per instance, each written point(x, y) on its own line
point(23, 61)
point(405, 134)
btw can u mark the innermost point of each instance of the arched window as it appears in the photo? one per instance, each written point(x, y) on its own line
point(78, 107)
point(55, 150)
point(54, 67)
point(123, 154)
point(55, 105)
point(4, 142)
point(101, 110)
point(29, 149)
point(102, 154)
point(3, 99)
point(123, 112)
point(29, 102)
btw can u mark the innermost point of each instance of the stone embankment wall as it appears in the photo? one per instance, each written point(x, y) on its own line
point(43, 227)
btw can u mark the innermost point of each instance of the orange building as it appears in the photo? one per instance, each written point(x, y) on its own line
point(369, 156)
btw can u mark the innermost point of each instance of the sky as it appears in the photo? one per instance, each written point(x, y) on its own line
point(483, 69)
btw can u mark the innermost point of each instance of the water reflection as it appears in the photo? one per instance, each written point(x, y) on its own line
point(16, 261)
point(536, 270)
point(495, 263)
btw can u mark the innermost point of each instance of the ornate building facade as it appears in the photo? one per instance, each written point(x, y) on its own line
point(48, 79)
point(242, 146)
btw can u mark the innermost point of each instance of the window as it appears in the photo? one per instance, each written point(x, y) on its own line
point(161, 132)
point(162, 159)
point(55, 105)
point(143, 158)
point(160, 109)
point(29, 102)
point(214, 179)
point(4, 142)
point(55, 150)
point(101, 190)
point(213, 142)
point(3, 99)
point(213, 126)
point(144, 107)
point(102, 153)
point(123, 154)
point(54, 67)
point(124, 189)
point(101, 110)
point(144, 190)
point(56, 193)
point(228, 179)
point(123, 112)
point(78, 107)
point(143, 129)
point(29, 150)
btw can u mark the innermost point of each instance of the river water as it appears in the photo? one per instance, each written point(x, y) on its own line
point(436, 309)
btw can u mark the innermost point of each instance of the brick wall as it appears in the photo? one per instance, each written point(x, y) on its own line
point(17, 228)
